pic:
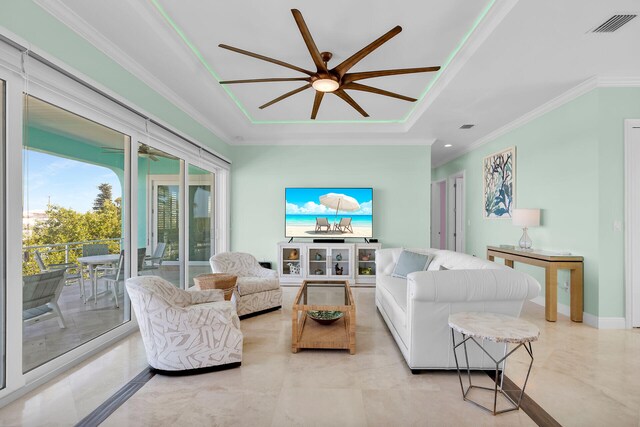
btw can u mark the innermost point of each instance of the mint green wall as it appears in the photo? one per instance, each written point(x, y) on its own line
point(569, 163)
point(399, 175)
point(29, 21)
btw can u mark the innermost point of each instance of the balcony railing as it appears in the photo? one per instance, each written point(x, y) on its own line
point(58, 253)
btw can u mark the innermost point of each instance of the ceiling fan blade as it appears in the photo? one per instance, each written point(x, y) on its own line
point(286, 95)
point(346, 65)
point(365, 88)
point(316, 104)
point(278, 79)
point(308, 40)
point(266, 58)
point(349, 100)
point(352, 77)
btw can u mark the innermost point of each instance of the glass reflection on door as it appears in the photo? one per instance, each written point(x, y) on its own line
point(159, 204)
point(201, 220)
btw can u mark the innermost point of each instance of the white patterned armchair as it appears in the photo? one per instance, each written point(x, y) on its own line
point(258, 288)
point(185, 330)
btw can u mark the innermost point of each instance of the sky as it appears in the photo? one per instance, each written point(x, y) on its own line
point(306, 201)
point(69, 183)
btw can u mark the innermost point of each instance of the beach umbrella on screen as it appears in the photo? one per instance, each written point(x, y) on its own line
point(339, 202)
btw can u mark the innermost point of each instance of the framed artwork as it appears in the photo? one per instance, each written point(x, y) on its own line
point(499, 183)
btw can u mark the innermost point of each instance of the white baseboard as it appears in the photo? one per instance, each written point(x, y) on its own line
point(605, 322)
point(588, 319)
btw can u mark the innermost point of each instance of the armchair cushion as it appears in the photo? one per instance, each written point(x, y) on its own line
point(252, 285)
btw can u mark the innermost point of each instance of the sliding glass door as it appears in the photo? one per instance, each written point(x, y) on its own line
point(159, 213)
point(74, 249)
point(85, 202)
point(201, 221)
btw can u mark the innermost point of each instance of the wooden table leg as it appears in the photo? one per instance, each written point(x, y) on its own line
point(577, 289)
point(294, 330)
point(508, 263)
point(490, 257)
point(551, 294)
point(352, 332)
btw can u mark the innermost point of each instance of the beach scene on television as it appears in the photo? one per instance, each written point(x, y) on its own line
point(333, 212)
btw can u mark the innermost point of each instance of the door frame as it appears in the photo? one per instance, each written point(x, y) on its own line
point(437, 184)
point(451, 216)
point(632, 224)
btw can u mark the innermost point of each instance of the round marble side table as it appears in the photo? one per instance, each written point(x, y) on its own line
point(498, 328)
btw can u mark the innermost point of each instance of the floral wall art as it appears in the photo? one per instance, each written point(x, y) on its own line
point(499, 183)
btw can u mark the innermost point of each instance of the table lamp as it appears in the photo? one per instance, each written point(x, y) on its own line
point(526, 218)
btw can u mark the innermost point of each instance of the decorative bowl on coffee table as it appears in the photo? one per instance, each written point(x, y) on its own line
point(325, 317)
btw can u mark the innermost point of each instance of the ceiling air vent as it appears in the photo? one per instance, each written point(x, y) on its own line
point(614, 23)
point(466, 126)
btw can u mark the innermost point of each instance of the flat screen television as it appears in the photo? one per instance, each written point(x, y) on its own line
point(328, 212)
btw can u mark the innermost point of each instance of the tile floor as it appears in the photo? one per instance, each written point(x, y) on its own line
point(581, 376)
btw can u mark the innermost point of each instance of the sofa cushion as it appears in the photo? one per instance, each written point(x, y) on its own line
point(252, 285)
point(410, 262)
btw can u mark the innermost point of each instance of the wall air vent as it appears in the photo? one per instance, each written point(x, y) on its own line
point(466, 126)
point(614, 23)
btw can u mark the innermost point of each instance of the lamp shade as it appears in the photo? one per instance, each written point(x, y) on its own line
point(526, 217)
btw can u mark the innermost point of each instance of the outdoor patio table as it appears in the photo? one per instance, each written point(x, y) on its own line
point(92, 262)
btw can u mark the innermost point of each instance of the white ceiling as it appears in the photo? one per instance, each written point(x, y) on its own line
point(521, 55)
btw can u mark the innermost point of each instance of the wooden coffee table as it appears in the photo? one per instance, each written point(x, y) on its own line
point(325, 295)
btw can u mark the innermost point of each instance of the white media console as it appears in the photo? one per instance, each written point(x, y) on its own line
point(329, 261)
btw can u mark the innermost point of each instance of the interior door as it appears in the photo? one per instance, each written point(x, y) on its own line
point(459, 214)
point(435, 216)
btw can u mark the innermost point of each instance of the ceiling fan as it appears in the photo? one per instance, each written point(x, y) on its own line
point(335, 80)
point(143, 150)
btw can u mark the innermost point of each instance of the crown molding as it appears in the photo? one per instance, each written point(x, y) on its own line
point(301, 142)
point(571, 94)
point(65, 15)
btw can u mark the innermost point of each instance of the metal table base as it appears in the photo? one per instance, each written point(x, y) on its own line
point(499, 375)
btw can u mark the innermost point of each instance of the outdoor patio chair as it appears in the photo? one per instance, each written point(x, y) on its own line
point(142, 252)
point(322, 222)
point(344, 226)
point(40, 293)
point(111, 274)
point(155, 261)
point(70, 277)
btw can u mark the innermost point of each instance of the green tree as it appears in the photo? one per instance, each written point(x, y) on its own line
point(65, 225)
point(104, 195)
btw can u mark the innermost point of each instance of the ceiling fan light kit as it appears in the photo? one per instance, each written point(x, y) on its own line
point(335, 80)
point(325, 85)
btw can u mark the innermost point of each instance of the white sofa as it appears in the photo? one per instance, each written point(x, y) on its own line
point(417, 309)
